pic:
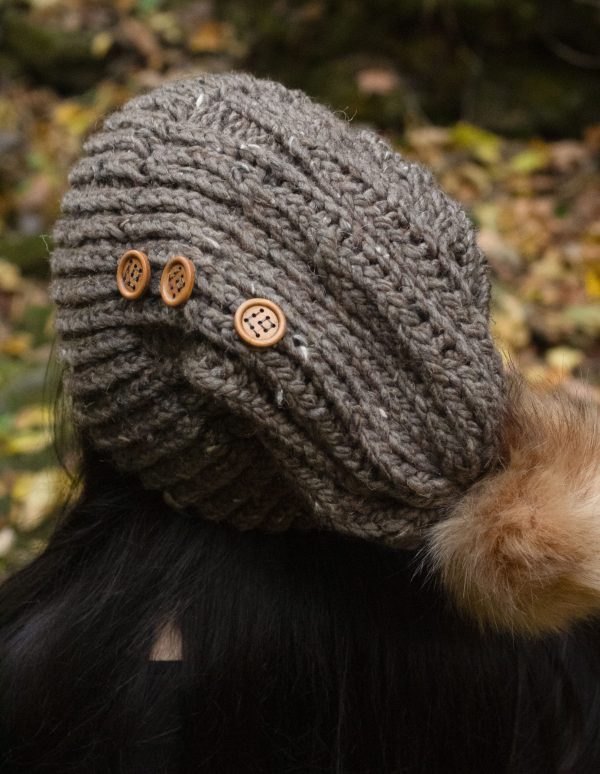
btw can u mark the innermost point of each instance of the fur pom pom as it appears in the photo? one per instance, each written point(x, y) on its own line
point(521, 550)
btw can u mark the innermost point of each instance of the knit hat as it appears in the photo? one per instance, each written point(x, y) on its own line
point(380, 403)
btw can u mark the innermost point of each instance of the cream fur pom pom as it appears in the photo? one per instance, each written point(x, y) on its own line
point(521, 550)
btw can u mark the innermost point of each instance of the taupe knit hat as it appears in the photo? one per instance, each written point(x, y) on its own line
point(381, 399)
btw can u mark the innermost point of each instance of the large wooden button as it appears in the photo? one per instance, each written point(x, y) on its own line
point(260, 322)
point(133, 274)
point(177, 280)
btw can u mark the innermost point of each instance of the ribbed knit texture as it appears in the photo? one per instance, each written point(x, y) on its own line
point(381, 403)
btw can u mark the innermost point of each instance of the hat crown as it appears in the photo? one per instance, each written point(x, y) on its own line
point(382, 400)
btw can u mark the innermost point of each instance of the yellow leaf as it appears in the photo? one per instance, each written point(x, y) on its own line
point(564, 358)
point(76, 118)
point(33, 497)
point(101, 43)
point(530, 160)
point(10, 276)
point(32, 416)
point(592, 280)
point(27, 443)
point(166, 25)
point(16, 345)
point(485, 146)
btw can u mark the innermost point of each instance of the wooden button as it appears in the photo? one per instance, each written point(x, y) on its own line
point(177, 280)
point(133, 274)
point(260, 322)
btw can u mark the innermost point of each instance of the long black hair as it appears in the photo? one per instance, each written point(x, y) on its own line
point(301, 652)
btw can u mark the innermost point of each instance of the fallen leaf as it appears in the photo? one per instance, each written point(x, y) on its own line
point(485, 146)
point(530, 160)
point(7, 540)
point(16, 345)
point(166, 25)
point(10, 276)
point(210, 37)
point(29, 442)
point(377, 80)
point(564, 358)
point(101, 44)
point(592, 280)
point(36, 415)
point(509, 320)
point(33, 497)
point(74, 117)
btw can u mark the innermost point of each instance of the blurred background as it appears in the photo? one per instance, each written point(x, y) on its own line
point(500, 97)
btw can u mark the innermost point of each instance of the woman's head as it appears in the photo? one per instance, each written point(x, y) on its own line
point(380, 401)
point(297, 438)
point(298, 335)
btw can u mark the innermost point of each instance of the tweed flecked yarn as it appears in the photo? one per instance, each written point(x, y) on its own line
point(381, 403)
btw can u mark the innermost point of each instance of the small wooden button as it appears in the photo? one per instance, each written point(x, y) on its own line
point(259, 322)
point(177, 280)
point(133, 274)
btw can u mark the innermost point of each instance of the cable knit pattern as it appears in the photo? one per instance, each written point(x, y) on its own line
point(378, 407)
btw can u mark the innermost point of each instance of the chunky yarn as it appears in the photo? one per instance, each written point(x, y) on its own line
point(381, 403)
